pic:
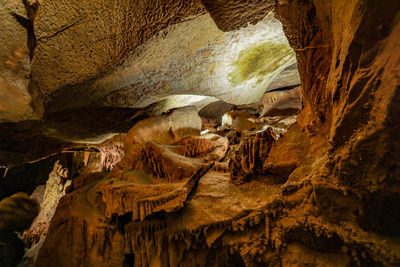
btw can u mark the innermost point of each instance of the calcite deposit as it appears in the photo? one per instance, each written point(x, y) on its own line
point(200, 132)
point(247, 160)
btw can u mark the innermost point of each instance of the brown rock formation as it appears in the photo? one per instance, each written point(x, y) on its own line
point(247, 160)
point(116, 29)
point(152, 179)
point(59, 78)
point(51, 177)
point(325, 193)
point(166, 129)
point(289, 100)
point(214, 111)
point(232, 14)
point(160, 176)
point(17, 212)
point(16, 48)
point(334, 208)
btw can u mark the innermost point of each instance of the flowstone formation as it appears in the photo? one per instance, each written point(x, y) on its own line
point(160, 170)
point(171, 201)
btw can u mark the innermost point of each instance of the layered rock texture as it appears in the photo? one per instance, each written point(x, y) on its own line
point(140, 59)
point(262, 189)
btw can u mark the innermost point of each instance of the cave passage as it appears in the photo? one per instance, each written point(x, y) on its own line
point(199, 133)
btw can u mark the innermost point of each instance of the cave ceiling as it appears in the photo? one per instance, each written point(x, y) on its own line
point(66, 67)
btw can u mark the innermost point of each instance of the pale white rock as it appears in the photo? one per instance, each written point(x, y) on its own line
point(196, 58)
point(53, 192)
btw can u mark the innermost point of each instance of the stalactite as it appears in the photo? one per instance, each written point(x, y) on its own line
point(249, 156)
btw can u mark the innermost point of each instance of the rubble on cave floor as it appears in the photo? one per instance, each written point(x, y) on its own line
point(277, 109)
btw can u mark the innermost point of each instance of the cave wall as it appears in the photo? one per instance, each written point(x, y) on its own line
point(349, 71)
point(66, 64)
point(331, 202)
point(15, 62)
point(338, 203)
point(115, 29)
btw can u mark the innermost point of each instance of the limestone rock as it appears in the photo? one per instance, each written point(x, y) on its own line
point(166, 129)
point(281, 100)
point(160, 183)
point(209, 229)
point(215, 111)
point(159, 177)
point(248, 158)
point(129, 62)
point(116, 29)
point(15, 31)
point(226, 65)
point(54, 190)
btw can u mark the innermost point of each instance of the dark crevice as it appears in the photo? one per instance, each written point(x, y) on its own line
point(322, 244)
point(380, 216)
point(3, 171)
point(121, 221)
point(85, 149)
point(286, 88)
point(129, 260)
point(28, 25)
point(196, 180)
point(61, 30)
